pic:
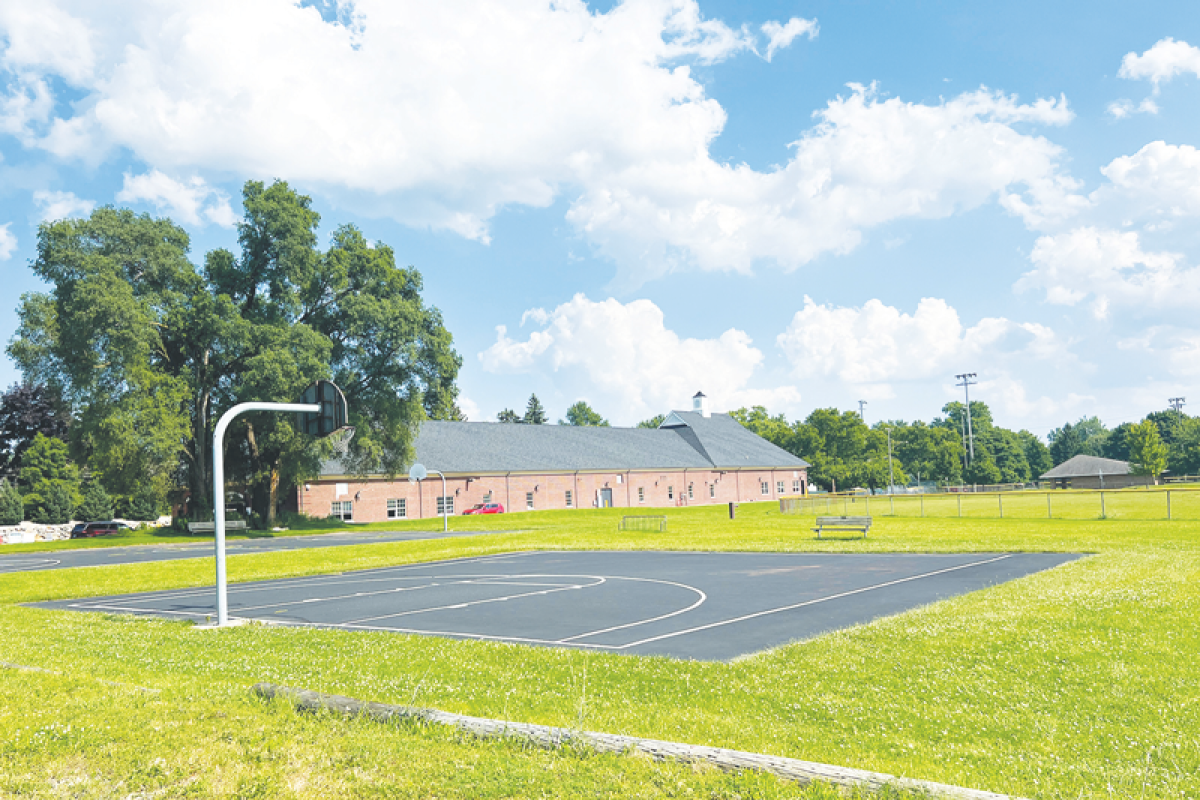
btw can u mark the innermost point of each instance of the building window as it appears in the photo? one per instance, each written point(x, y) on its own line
point(445, 506)
point(795, 487)
point(779, 487)
point(712, 490)
point(641, 494)
point(670, 492)
point(766, 487)
point(397, 509)
point(529, 501)
point(690, 491)
point(487, 498)
point(620, 479)
point(343, 510)
point(569, 503)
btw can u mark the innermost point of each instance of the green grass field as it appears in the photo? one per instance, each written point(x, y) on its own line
point(1079, 682)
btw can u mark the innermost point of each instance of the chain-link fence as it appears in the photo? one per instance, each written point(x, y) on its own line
point(1135, 503)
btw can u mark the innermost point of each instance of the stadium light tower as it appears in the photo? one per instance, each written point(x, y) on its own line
point(861, 405)
point(1177, 403)
point(966, 384)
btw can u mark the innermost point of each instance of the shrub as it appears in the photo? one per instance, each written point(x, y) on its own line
point(56, 506)
point(12, 508)
point(97, 505)
point(143, 506)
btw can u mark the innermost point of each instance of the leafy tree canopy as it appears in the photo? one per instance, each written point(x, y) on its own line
point(26, 410)
point(150, 350)
point(582, 414)
point(508, 415)
point(653, 422)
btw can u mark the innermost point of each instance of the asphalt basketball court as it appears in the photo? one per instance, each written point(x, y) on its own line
point(705, 606)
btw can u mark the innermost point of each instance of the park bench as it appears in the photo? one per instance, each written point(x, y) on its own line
point(211, 527)
point(643, 523)
point(843, 524)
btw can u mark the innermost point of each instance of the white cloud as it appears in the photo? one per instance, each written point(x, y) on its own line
point(1160, 179)
point(1121, 109)
point(192, 202)
point(41, 36)
point(1112, 268)
point(879, 344)
point(440, 114)
point(781, 36)
point(622, 356)
point(867, 162)
point(60, 205)
point(8, 242)
point(469, 408)
point(1162, 62)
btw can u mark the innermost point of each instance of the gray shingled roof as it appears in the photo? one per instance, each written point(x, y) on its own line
point(1082, 466)
point(715, 442)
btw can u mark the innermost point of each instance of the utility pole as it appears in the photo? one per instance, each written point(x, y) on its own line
point(891, 474)
point(861, 405)
point(1177, 403)
point(966, 384)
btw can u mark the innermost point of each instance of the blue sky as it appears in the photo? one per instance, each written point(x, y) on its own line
point(797, 205)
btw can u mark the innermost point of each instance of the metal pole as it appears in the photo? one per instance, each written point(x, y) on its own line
point(1103, 513)
point(1049, 511)
point(1168, 503)
point(1000, 500)
point(960, 505)
point(218, 470)
point(922, 504)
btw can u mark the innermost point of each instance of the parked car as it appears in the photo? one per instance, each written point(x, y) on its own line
point(86, 530)
point(485, 508)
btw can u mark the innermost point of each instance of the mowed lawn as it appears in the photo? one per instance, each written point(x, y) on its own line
point(1083, 681)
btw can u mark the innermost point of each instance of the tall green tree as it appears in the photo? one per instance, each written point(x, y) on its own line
point(1037, 455)
point(509, 416)
point(653, 422)
point(97, 504)
point(535, 414)
point(1147, 452)
point(583, 415)
point(150, 350)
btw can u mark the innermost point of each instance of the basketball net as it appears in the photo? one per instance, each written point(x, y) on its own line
point(340, 440)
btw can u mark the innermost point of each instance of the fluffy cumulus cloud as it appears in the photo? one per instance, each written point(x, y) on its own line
point(441, 114)
point(879, 344)
point(8, 242)
point(625, 360)
point(1120, 109)
point(1162, 62)
point(192, 201)
point(60, 205)
point(1113, 269)
point(868, 161)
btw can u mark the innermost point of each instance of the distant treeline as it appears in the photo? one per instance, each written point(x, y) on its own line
point(845, 452)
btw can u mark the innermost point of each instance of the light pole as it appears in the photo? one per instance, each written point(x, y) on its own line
point(861, 405)
point(218, 470)
point(966, 384)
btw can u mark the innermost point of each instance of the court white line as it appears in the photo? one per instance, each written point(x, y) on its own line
point(563, 588)
point(24, 566)
point(677, 612)
point(434, 585)
point(745, 617)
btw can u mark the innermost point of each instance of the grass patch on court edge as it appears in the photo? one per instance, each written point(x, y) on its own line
point(1076, 682)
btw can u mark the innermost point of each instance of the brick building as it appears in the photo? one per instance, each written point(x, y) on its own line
point(693, 458)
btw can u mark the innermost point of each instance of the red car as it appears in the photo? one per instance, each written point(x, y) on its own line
point(485, 508)
point(86, 530)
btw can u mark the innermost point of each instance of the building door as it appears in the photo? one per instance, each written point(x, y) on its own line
point(606, 498)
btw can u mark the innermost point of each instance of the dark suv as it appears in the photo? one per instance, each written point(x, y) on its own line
point(86, 530)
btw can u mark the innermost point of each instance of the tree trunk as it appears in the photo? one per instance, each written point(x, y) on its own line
point(273, 495)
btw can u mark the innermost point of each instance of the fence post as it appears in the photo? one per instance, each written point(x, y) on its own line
point(1000, 500)
point(960, 505)
point(868, 505)
point(1103, 513)
point(892, 502)
point(922, 505)
point(1049, 511)
point(1168, 503)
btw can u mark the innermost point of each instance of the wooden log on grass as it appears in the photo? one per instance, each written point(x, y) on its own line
point(802, 772)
